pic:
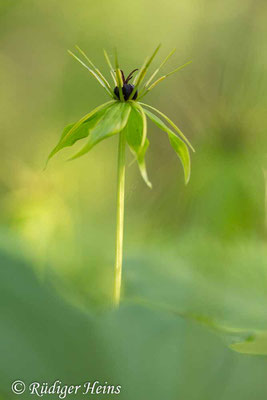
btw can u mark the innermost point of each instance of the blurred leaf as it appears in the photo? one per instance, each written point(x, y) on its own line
point(113, 121)
point(255, 344)
point(44, 339)
point(41, 337)
point(223, 287)
point(177, 144)
point(134, 136)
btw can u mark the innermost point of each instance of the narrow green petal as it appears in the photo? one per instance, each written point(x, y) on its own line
point(146, 89)
point(91, 72)
point(175, 127)
point(178, 68)
point(159, 68)
point(113, 121)
point(101, 76)
point(118, 76)
point(156, 82)
point(166, 76)
point(177, 144)
point(143, 72)
point(110, 66)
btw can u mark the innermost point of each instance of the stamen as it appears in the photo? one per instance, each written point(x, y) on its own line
point(129, 77)
point(123, 77)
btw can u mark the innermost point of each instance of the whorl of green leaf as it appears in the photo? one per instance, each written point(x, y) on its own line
point(125, 116)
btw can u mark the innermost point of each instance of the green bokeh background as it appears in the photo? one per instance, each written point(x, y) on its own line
point(195, 256)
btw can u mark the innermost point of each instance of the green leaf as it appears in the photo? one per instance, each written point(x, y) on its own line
point(38, 325)
point(142, 164)
point(144, 122)
point(134, 136)
point(255, 344)
point(173, 125)
point(220, 285)
point(177, 144)
point(78, 133)
point(80, 129)
point(113, 121)
point(182, 151)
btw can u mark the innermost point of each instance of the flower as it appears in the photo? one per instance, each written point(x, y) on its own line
point(126, 113)
point(127, 116)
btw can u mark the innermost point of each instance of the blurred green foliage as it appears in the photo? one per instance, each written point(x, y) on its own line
point(197, 251)
point(150, 353)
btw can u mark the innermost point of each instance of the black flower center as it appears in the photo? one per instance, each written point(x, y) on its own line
point(127, 88)
point(126, 91)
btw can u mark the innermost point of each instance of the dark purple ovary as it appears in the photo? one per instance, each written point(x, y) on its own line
point(126, 91)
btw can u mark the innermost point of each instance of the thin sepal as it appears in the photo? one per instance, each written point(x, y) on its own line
point(162, 78)
point(159, 68)
point(97, 71)
point(118, 76)
point(92, 72)
point(111, 69)
point(178, 68)
point(143, 71)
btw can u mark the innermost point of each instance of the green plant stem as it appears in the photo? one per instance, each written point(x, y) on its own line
point(120, 216)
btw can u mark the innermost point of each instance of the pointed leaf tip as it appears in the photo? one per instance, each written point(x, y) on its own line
point(173, 125)
point(80, 130)
point(177, 144)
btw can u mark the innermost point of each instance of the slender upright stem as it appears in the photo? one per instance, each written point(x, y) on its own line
point(120, 216)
